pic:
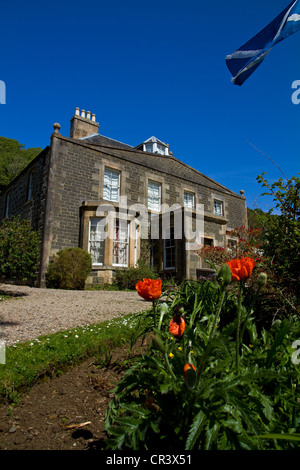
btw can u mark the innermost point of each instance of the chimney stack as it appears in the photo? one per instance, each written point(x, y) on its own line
point(83, 124)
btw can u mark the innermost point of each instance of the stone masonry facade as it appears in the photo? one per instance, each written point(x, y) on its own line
point(62, 188)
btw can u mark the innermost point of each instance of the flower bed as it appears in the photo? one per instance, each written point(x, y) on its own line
point(211, 378)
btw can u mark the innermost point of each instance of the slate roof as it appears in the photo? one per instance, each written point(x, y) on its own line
point(97, 139)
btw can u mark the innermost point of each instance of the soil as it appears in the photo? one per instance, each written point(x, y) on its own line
point(65, 412)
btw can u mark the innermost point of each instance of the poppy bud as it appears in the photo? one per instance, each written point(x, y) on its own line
point(224, 275)
point(158, 344)
point(190, 376)
point(163, 308)
point(262, 280)
point(177, 326)
point(179, 309)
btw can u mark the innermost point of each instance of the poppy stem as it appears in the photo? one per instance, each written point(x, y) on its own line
point(169, 367)
point(237, 357)
point(249, 313)
point(217, 315)
point(154, 303)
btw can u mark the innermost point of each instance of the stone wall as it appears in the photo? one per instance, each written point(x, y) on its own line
point(71, 172)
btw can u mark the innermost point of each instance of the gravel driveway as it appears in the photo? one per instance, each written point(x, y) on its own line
point(33, 312)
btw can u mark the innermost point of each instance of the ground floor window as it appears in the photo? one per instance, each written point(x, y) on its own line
point(169, 250)
point(97, 240)
point(120, 243)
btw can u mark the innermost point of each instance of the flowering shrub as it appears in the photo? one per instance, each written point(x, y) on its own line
point(209, 381)
point(248, 244)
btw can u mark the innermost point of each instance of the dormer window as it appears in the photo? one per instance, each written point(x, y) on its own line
point(154, 145)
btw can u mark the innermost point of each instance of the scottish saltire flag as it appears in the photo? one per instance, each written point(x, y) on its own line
point(243, 62)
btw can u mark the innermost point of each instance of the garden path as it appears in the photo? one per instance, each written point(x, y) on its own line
point(33, 312)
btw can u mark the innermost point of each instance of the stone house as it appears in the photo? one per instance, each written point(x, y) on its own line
point(71, 187)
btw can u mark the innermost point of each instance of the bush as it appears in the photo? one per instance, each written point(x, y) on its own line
point(68, 269)
point(19, 250)
point(128, 277)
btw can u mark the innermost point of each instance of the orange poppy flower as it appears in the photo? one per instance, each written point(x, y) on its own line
point(177, 326)
point(149, 289)
point(241, 269)
point(188, 366)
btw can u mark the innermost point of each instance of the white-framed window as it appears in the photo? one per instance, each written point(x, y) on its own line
point(189, 199)
point(169, 251)
point(136, 236)
point(154, 196)
point(97, 240)
point(160, 149)
point(111, 188)
point(149, 148)
point(121, 242)
point(218, 207)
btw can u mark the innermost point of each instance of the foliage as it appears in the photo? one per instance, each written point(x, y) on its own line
point(126, 278)
point(13, 158)
point(68, 269)
point(281, 237)
point(221, 384)
point(19, 250)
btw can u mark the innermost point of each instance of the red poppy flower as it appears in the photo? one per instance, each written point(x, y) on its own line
point(149, 289)
point(188, 366)
point(241, 269)
point(177, 326)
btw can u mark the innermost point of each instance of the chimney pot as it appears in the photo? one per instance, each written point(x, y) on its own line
point(82, 125)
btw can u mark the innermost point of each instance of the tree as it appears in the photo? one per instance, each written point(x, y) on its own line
point(19, 250)
point(282, 231)
point(13, 159)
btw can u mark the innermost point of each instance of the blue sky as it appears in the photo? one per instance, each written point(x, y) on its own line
point(155, 68)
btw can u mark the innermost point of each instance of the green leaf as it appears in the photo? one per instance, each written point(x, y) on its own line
point(211, 435)
point(195, 430)
point(285, 436)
